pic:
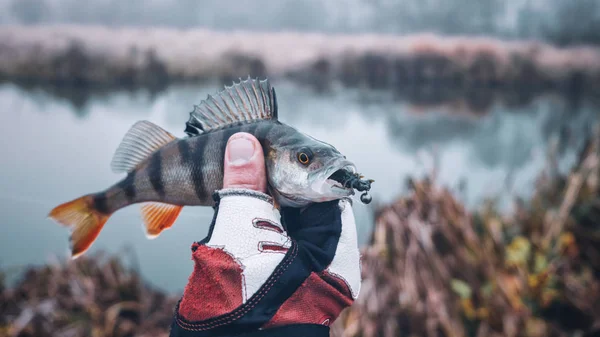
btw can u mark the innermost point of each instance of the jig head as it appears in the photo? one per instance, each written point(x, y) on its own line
point(355, 181)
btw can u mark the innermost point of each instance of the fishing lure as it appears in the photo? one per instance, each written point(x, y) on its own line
point(355, 181)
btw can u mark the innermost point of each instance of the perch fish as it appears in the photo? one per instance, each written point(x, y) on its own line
point(167, 173)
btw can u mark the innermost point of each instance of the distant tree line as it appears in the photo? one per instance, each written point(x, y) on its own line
point(562, 22)
point(559, 21)
point(574, 21)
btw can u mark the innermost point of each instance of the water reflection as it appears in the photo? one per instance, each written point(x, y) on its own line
point(56, 147)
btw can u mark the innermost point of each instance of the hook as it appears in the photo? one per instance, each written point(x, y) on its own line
point(366, 198)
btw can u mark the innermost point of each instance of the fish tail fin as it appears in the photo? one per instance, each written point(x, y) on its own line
point(85, 222)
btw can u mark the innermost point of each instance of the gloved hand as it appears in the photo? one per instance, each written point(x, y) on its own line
point(254, 276)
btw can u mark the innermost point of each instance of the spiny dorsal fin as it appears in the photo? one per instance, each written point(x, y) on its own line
point(243, 102)
point(143, 139)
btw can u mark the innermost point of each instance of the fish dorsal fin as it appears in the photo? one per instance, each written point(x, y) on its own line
point(142, 139)
point(246, 101)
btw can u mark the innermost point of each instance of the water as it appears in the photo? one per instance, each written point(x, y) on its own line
point(57, 147)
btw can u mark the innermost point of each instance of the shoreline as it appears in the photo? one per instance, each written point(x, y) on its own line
point(154, 57)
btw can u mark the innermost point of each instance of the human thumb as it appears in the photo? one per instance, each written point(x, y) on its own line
point(244, 163)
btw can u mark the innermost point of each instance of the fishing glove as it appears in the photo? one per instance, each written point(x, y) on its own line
point(254, 276)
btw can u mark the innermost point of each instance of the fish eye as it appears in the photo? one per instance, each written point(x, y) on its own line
point(305, 156)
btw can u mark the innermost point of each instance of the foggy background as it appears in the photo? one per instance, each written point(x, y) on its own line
point(558, 21)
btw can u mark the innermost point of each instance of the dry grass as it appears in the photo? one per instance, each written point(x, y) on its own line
point(433, 269)
point(92, 296)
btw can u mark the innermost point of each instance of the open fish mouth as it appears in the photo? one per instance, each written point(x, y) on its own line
point(335, 181)
point(340, 178)
point(346, 180)
point(322, 182)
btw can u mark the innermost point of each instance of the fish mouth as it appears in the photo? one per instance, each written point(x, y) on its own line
point(326, 182)
point(335, 183)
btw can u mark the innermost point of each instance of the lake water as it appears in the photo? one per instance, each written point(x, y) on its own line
point(56, 147)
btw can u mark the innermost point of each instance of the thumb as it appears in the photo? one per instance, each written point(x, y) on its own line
point(244, 163)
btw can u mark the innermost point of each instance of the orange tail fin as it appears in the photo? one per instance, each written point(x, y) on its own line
point(85, 222)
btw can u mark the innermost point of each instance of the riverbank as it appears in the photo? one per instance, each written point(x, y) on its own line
point(154, 57)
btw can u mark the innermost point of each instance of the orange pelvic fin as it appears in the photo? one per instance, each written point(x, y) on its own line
point(158, 217)
point(85, 222)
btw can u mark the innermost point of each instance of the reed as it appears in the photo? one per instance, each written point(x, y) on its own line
point(434, 269)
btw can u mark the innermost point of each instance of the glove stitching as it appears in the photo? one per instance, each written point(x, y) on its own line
point(261, 250)
point(242, 192)
point(228, 319)
point(271, 227)
point(341, 278)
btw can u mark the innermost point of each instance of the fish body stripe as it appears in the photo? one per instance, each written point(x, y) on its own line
point(155, 174)
point(291, 139)
point(250, 128)
point(263, 130)
point(220, 156)
point(274, 132)
point(184, 151)
point(227, 133)
point(128, 186)
point(194, 154)
point(185, 168)
point(101, 203)
point(208, 156)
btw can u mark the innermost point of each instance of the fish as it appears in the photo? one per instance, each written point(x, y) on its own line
point(166, 173)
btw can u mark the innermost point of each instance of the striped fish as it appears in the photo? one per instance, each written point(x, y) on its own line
point(166, 173)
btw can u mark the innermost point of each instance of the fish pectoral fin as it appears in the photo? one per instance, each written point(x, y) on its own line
point(142, 140)
point(159, 216)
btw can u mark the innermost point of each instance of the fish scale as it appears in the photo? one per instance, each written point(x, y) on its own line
point(166, 173)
